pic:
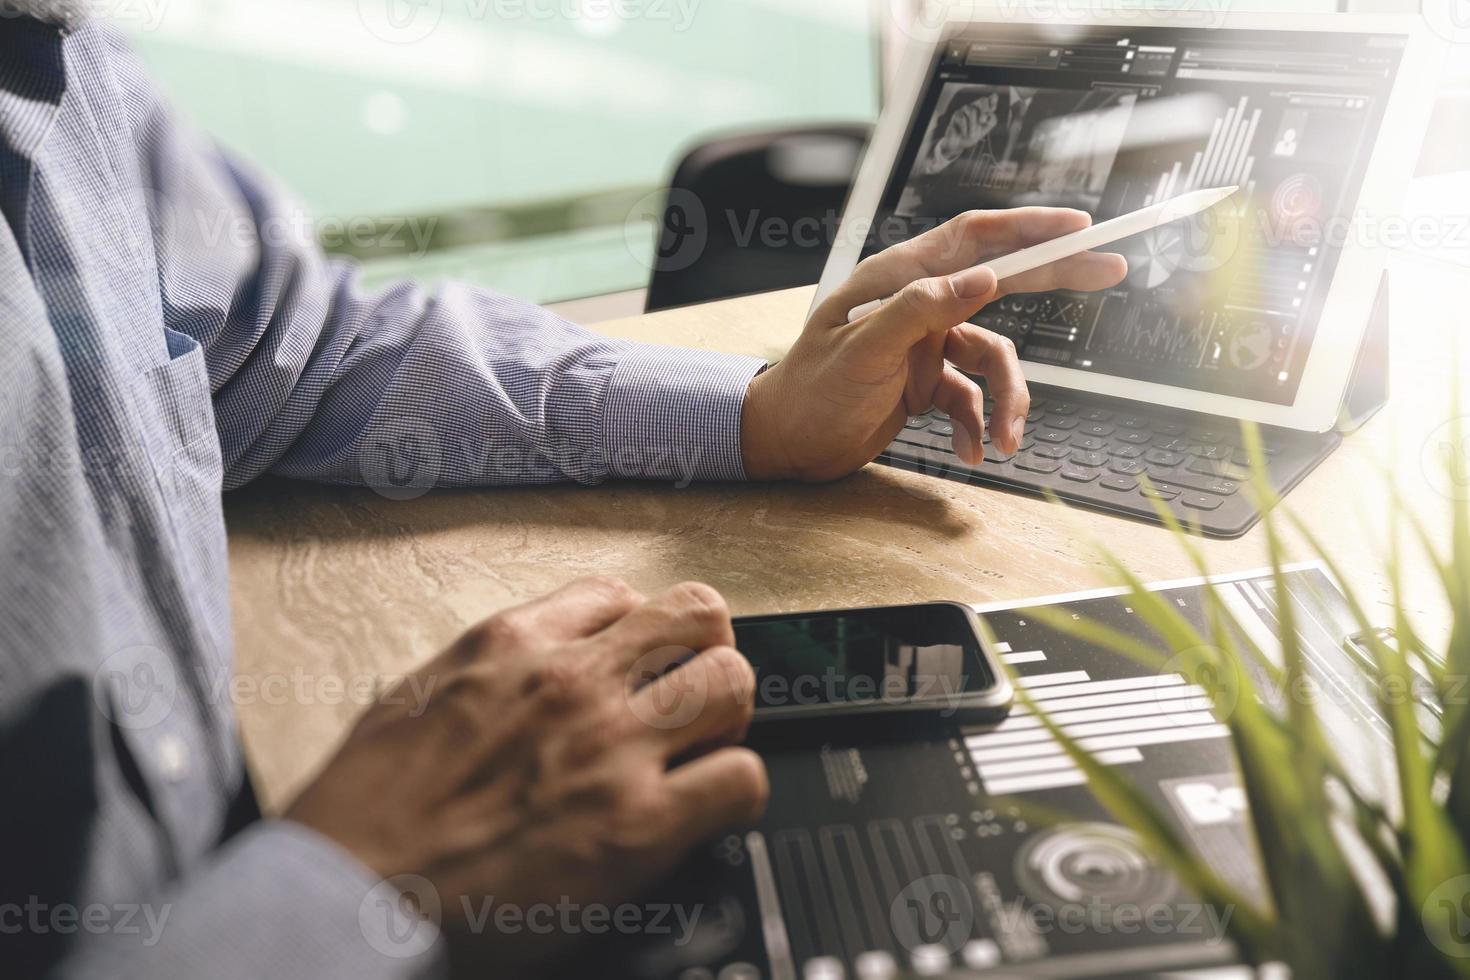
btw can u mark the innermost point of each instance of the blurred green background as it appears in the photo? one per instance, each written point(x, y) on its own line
point(530, 137)
point(529, 132)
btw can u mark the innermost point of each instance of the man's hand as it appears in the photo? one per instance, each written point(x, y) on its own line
point(843, 392)
point(550, 765)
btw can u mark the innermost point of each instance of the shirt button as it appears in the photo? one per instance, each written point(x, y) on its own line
point(173, 757)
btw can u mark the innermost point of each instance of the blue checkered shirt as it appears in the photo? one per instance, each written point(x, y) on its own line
point(164, 336)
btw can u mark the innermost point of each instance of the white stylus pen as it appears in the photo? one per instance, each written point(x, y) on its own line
point(1095, 236)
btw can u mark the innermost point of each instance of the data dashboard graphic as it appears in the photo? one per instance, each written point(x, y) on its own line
point(934, 858)
point(1116, 119)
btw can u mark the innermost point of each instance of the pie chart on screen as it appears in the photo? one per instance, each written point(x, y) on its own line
point(1162, 252)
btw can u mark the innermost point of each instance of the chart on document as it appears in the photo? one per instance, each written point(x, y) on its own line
point(932, 857)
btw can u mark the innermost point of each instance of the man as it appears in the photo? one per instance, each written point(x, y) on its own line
point(143, 369)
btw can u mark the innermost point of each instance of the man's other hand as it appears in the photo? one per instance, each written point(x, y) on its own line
point(843, 392)
point(556, 760)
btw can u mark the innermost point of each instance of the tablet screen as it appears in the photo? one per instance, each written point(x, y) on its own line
point(1114, 119)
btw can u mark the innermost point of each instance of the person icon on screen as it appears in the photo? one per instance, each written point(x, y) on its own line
point(1287, 144)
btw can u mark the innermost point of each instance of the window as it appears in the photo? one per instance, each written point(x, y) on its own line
point(517, 135)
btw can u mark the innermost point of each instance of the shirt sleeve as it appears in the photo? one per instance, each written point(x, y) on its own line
point(402, 388)
point(279, 901)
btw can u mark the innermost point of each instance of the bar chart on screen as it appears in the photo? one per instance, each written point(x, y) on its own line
point(1225, 159)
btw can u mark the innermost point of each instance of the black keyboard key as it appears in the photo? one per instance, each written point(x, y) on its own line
point(1201, 501)
point(1122, 484)
point(1088, 443)
point(1052, 452)
point(1220, 470)
point(1035, 464)
point(1036, 414)
point(1062, 408)
point(1061, 422)
point(942, 416)
point(1027, 442)
point(1132, 435)
point(1051, 435)
point(1210, 452)
point(1097, 415)
point(1127, 452)
point(1099, 429)
point(1172, 444)
point(1222, 487)
point(1162, 457)
point(1078, 475)
point(925, 438)
point(1243, 455)
point(942, 429)
point(993, 455)
point(1132, 422)
point(1128, 467)
point(1206, 435)
point(1162, 491)
point(1168, 429)
point(1089, 459)
point(916, 422)
point(1199, 481)
point(1028, 428)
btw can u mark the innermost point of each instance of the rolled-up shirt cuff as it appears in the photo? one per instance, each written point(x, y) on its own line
point(674, 414)
point(283, 901)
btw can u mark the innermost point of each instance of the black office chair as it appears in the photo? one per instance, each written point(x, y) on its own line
point(751, 213)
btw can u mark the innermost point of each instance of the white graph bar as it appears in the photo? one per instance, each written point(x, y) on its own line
point(1242, 145)
point(1169, 191)
point(1171, 707)
point(1024, 657)
point(1211, 148)
point(1218, 150)
point(1161, 737)
point(1113, 757)
point(1227, 146)
point(1044, 780)
point(1100, 743)
point(1143, 695)
point(1250, 141)
point(1005, 753)
point(1043, 744)
point(1102, 687)
point(1002, 647)
point(1113, 726)
point(1189, 182)
point(1115, 697)
point(1049, 680)
point(1112, 684)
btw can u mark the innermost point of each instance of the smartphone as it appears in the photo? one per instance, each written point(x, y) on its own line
point(879, 671)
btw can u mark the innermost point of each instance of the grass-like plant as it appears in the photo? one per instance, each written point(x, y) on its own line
point(1323, 843)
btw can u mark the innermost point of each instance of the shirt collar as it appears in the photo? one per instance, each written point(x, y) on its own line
point(65, 14)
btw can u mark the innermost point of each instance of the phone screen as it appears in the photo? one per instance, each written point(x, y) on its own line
point(887, 654)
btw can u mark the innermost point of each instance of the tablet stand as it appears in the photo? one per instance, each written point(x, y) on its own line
point(1367, 389)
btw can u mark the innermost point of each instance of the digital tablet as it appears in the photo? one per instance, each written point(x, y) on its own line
point(1255, 315)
